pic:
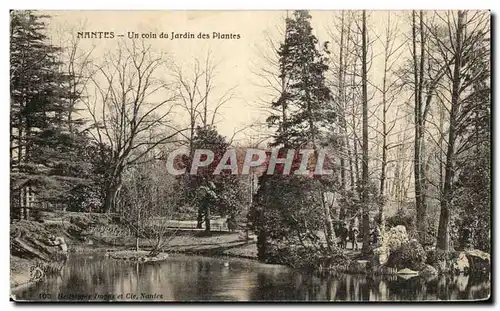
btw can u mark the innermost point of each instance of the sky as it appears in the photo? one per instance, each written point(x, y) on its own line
point(238, 58)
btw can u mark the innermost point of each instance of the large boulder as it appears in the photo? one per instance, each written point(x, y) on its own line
point(479, 261)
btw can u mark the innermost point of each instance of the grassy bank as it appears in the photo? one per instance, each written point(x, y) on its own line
point(194, 242)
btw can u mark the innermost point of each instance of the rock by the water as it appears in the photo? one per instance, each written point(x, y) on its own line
point(429, 270)
point(460, 264)
point(479, 261)
point(407, 271)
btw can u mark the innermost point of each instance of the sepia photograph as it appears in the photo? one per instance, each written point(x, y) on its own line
point(257, 156)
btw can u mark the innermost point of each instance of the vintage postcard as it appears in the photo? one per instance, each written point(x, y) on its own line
point(169, 156)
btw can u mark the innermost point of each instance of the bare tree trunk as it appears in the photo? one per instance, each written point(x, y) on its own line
point(444, 217)
point(384, 126)
point(355, 140)
point(341, 77)
point(418, 66)
point(207, 218)
point(387, 89)
point(137, 232)
point(441, 158)
point(19, 161)
point(110, 199)
point(24, 192)
point(199, 219)
point(330, 232)
point(422, 213)
point(384, 165)
point(365, 197)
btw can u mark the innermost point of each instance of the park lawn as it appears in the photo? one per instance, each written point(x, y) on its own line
point(197, 242)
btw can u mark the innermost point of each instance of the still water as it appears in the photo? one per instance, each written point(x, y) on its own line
point(188, 278)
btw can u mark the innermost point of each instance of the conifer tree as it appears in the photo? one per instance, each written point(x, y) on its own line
point(305, 121)
point(45, 161)
point(307, 97)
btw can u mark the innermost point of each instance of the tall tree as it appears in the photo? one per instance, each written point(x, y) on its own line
point(308, 97)
point(425, 81)
point(130, 109)
point(308, 94)
point(44, 152)
point(390, 91)
point(341, 60)
point(364, 181)
point(305, 99)
point(465, 50)
point(419, 115)
point(197, 98)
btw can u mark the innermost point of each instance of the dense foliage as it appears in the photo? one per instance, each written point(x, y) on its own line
point(409, 255)
point(46, 144)
point(219, 194)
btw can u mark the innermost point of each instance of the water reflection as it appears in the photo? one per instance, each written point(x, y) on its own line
point(184, 278)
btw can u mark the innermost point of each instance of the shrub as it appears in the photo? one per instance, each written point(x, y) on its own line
point(293, 256)
point(434, 256)
point(409, 255)
point(305, 258)
point(440, 259)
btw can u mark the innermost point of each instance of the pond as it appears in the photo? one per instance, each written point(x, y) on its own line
point(188, 278)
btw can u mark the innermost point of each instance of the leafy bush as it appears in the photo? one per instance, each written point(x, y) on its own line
point(409, 255)
point(436, 255)
point(431, 233)
point(440, 259)
point(27, 228)
point(296, 257)
point(305, 258)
